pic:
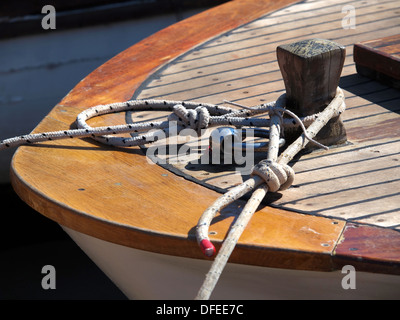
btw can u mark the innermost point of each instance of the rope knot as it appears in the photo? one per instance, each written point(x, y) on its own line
point(195, 119)
point(277, 176)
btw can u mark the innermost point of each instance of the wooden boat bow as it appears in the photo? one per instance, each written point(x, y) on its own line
point(118, 196)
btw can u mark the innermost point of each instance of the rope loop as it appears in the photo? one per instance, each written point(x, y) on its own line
point(277, 176)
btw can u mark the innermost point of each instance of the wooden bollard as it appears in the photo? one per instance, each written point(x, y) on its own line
point(311, 71)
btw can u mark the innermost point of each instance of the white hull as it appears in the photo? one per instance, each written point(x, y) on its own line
point(146, 275)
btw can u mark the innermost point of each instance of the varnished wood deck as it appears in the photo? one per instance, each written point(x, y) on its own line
point(241, 66)
point(229, 53)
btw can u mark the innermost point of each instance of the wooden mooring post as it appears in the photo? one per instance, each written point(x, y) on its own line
point(311, 71)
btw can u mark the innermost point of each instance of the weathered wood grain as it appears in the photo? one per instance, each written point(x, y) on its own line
point(311, 71)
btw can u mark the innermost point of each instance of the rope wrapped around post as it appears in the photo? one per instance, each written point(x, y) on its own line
point(271, 173)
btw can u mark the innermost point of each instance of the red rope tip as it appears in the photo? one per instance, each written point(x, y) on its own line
point(207, 247)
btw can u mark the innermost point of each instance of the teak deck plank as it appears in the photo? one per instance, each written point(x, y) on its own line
point(115, 194)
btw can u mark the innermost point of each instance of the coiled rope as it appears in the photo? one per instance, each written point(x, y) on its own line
point(271, 174)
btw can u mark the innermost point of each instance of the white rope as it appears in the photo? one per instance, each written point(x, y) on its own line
point(271, 174)
point(206, 115)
